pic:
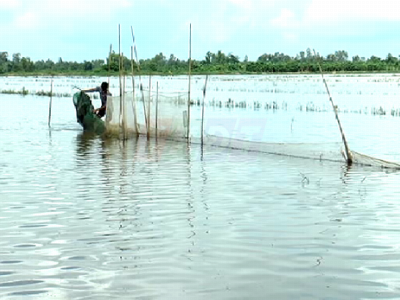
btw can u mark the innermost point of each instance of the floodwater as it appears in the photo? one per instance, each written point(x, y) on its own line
point(83, 217)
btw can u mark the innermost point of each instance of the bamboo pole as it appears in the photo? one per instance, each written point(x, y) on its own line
point(119, 73)
point(121, 94)
point(140, 79)
point(190, 71)
point(349, 156)
point(133, 95)
point(123, 111)
point(148, 110)
point(50, 101)
point(157, 111)
point(123, 123)
point(202, 111)
point(109, 64)
point(144, 104)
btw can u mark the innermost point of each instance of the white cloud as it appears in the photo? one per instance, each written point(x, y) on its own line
point(216, 31)
point(27, 20)
point(61, 16)
point(285, 20)
point(224, 19)
point(340, 10)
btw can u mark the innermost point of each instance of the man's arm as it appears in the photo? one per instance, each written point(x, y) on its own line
point(96, 89)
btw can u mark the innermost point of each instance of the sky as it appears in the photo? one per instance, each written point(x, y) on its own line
point(79, 30)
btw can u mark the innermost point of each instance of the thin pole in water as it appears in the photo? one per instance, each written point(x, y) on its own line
point(119, 51)
point(133, 94)
point(50, 101)
point(123, 123)
point(157, 111)
point(109, 64)
point(202, 111)
point(349, 157)
point(148, 110)
point(121, 95)
point(140, 79)
point(190, 71)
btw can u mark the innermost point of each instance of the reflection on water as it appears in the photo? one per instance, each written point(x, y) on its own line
point(158, 220)
point(89, 218)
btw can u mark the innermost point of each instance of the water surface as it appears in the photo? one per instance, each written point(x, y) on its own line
point(84, 217)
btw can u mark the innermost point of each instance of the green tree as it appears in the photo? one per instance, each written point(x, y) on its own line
point(390, 59)
point(97, 64)
point(220, 58)
point(208, 57)
point(309, 55)
point(341, 55)
point(87, 66)
point(61, 65)
point(16, 62)
point(27, 65)
point(302, 56)
point(331, 57)
point(232, 59)
point(3, 62)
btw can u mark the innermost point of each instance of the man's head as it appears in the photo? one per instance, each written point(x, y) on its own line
point(104, 86)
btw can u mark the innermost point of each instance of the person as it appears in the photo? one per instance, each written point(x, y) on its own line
point(103, 90)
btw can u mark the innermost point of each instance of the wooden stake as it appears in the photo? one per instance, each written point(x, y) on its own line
point(133, 95)
point(190, 70)
point(119, 51)
point(148, 110)
point(50, 101)
point(109, 64)
point(157, 111)
point(144, 105)
point(349, 156)
point(121, 93)
point(202, 111)
point(140, 79)
point(123, 123)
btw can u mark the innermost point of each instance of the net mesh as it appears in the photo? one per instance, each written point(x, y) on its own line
point(156, 115)
point(165, 115)
point(363, 159)
point(277, 126)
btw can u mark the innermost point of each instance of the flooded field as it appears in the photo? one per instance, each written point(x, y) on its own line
point(288, 109)
point(83, 217)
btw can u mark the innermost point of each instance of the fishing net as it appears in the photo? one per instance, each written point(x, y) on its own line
point(85, 116)
point(272, 132)
point(363, 159)
point(273, 121)
point(256, 116)
point(155, 115)
point(270, 129)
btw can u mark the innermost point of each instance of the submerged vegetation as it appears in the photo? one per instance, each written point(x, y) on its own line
point(213, 63)
point(25, 92)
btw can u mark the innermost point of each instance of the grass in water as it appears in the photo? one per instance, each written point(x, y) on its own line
point(22, 92)
point(25, 92)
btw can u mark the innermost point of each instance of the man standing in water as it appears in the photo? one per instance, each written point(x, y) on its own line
point(103, 90)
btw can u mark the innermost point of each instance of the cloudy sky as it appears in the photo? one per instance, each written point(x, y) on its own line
point(78, 30)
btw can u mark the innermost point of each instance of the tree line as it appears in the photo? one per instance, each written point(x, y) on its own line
point(213, 63)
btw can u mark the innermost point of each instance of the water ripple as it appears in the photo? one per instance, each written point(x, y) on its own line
point(89, 218)
point(19, 283)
